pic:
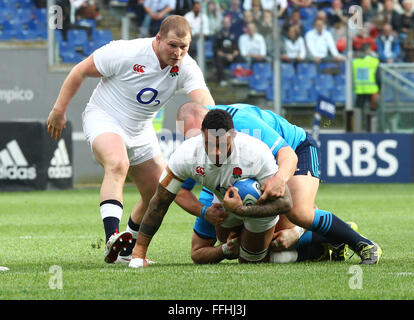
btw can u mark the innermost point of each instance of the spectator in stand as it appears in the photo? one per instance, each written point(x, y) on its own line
point(252, 45)
point(406, 20)
point(389, 16)
point(265, 28)
point(236, 15)
point(389, 50)
point(301, 3)
point(214, 17)
point(335, 13)
point(293, 46)
point(137, 7)
point(156, 12)
point(321, 44)
point(248, 5)
point(226, 50)
point(368, 11)
point(194, 19)
point(85, 9)
point(183, 6)
point(293, 20)
point(69, 19)
point(364, 37)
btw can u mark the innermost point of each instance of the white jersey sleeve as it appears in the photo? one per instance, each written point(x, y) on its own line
point(192, 77)
point(107, 58)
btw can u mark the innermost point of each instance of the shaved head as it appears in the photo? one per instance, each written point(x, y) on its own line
point(190, 117)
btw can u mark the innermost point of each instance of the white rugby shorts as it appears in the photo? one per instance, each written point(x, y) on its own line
point(256, 225)
point(140, 148)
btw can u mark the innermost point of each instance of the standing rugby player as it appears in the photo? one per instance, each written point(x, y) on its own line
point(138, 77)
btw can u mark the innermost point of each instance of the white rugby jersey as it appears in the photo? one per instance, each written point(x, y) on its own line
point(134, 86)
point(250, 158)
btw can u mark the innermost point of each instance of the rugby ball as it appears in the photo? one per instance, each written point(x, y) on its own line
point(249, 190)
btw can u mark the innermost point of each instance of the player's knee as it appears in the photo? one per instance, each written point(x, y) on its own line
point(302, 215)
point(118, 167)
point(247, 256)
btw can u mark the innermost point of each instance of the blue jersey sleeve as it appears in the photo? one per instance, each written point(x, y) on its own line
point(256, 127)
point(189, 184)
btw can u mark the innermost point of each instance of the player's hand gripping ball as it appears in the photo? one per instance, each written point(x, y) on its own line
point(249, 190)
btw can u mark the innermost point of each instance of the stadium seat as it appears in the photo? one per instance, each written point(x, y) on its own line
point(339, 79)
point(405, 97)
point(308, 13)
point(25, 4)
point(258, 83)
point(287, 71)
point(91, 46)
point(5, 35)
point(208, 49)
point(307, 69)
point(27, 35)
point(389, 94)
point(22, 16)
point(303, 81)
point(240, 71)
point(11, 27)
point(77, 37)
point(9, 4)
point(324, 80)
point(40, 27)
point(41, 14)
point(301, 94)
point(5, 15)
point(87, 23)
point(264, 69)
point(102, 35)
point(68, 53)
point(338, 93)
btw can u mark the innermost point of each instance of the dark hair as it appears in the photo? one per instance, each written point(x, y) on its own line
point(217, 119)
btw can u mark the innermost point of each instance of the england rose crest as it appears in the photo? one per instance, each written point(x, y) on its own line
point(237, 172)
point(174, 71)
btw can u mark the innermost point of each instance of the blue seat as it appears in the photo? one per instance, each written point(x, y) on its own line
point(308, 13)
point(68, 53)
point(27, 35)
point(77, 37)
point(303, 81)
point(307, 69)
point(5, 35)
point(301, 94)
point(264, 69)
point(25, 3)
point(324, 80)
point(389, 94)
point(91, 46)
point(5, 15)
point(208, 49)
point(405, 97)
point(41, 14)
point(240, 75)
point(10, 4)
point(23, 15)
point(87, 23)
point(287, 71)
point(338, 93)
point(11, 27)
point(339, 79)
point(102, 35)
point(258, 83)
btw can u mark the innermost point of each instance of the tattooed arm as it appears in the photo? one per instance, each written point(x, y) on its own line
point(232, 202)
point(152, 220)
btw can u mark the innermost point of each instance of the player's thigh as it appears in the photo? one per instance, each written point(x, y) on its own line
point(284, 223)
point(303, 189)
point(254, 245)
point(109, 150)
point(146, 175)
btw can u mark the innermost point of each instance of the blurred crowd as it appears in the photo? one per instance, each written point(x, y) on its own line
point(241, 30)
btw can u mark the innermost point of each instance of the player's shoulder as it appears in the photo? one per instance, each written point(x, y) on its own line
point(247, 143)
point(188, 63)
point(132, 48)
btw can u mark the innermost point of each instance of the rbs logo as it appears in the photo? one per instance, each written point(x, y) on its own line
point(367, 158)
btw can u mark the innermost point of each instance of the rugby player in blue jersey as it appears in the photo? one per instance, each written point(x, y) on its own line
point(298, 158)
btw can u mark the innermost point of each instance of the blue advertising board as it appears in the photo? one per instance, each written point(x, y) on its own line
point(371, 158)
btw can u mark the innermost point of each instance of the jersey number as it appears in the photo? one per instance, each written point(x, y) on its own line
point(151, 99)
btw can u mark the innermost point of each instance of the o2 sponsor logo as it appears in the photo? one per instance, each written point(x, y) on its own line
point(365, 157)
point(148, 96)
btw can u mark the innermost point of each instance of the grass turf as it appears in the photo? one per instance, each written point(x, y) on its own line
point(39, 230)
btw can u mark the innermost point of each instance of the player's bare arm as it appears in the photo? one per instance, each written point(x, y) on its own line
point(152, 220)
point(215, 214)
point(233, 203)
point(202, 96)
point(274, 187)
point(57, 120)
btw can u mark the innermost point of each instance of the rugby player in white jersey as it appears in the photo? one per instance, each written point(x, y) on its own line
point(138, 77)
point(216, 159)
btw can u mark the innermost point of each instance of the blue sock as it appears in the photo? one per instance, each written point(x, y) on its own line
point(326, 224)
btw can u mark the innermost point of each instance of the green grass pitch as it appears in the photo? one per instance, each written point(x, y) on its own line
point(43, 233)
